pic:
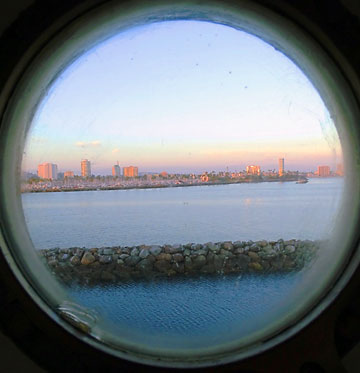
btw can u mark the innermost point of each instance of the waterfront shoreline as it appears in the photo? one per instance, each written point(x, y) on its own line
point(156, 186)
point(92, 266)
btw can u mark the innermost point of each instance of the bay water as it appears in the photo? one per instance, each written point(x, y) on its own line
point(191, 312)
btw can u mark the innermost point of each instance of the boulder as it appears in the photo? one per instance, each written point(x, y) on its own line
point(188, 263)
point(227, 246)
point(134, 251)
point(75, 260)
point(144, 253)
point(132, 260)
point(87, 259)
point(145, 265)
point(226, 253)
point(213, 247)
point(63, 257)
point(108, 251)
point(164, 256)
point(105, 259)
point(290, 249)
point(199, 261)
point(178, 258)
point(155, 250)
point(203, 251)
point(219, 262)
point(253, 256)
point(173, 249)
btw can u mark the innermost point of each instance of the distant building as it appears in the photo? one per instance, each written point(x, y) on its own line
point(323, 171)
point(130, 171)
point(68, 174)
point(116, 170)
point(253, 170)
point(281, 166)
point(164, 174)
point(85, 168)
point(204, 177)
point(48, 171)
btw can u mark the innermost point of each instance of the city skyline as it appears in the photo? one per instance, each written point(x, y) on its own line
point(48, 170)
point(189, 106)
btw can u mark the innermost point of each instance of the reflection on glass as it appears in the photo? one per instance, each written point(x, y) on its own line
point(179, 180)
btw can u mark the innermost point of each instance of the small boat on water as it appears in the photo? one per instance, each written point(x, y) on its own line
point(302, 181)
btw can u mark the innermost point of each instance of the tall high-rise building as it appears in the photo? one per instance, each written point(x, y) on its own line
point(253, 170)
point(48, 171)
point(323, 171)
point(281, 166)
point(85, 168)
point(116, 170)
point(130, 171)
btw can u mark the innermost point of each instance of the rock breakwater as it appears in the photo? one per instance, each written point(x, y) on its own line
point(114, 264)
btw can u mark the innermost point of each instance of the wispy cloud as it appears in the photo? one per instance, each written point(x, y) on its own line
point(83, 144)
point(116, 150)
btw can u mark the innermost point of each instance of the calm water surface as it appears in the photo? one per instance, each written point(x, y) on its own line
point(181, 215)
point(191, 313)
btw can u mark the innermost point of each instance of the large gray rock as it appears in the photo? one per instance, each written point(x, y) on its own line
point(227, 246)
point(155, 250)
point(132, 260)
point(174, 249)
point(239, 250)
point(290, 249)
point(63, 257)
point(145, 265)
point(199, 261)
point(108, 251)
point(75, 260)
point(187, 252)
point(262, 243)
point(213, 247)
point(219, 261)
point(134, 252)
point(144, 253)
point(188, 263)
point(226, 253)
point(105, 259)
point(203, 251)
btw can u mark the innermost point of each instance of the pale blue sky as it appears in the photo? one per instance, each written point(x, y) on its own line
point(182, 96)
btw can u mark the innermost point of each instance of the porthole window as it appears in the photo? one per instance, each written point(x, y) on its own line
point(186, 180)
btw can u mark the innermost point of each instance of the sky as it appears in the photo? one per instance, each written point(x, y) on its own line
point(182, 96)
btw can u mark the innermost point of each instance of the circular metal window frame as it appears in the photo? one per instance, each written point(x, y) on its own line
point(72, 37)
